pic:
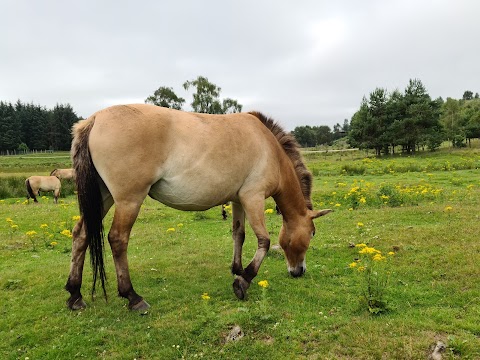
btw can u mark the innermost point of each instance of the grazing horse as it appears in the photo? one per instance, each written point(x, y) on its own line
point(64, 174)
point(35, 184)
point(187, 161)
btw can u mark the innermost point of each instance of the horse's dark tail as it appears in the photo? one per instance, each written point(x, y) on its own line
point(30, 191)
point(89, 199)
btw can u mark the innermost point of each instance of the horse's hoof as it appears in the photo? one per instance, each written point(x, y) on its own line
point(78, 304)
point(140, 306)
point(240, 287)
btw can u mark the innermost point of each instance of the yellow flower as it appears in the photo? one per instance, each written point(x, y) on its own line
point(363, 200)
point(448, 208)
point(205, 296)
point(391, 253)
point(43, 226)
point(53, 243)
point(360, 224)
point(31, 233)
point(66, 233)
point(353, 264)
point(263, 283)
point(170, 230)
point(338, 205)
point(269, 211)
point(369, 250)
point(378, 257)
point(180, 225)
point(14, 226)
point(361, 268)
point(361, 245)
point(76, 217)
point(9, 220)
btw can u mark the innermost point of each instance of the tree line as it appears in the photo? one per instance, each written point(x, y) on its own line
point(25, 127)
point(385, 121)
point(409, 120)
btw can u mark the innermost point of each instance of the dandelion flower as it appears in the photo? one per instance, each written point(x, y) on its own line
point(448, 208)
point(360, 224)
point(361, 245)
point(205, 296)
point(361, 268)
point(53, 243)
point(76, 217)
point(14, 226)
point(263, 284)
point(170, 230)
point(269, 211)
point(180, 225)
point(31, 233)
point(352, 265)
point(363, 200)
point(9, 220)
point(391, 253)
point(43, 226)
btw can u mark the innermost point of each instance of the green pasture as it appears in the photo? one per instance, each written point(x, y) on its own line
point(423, 209)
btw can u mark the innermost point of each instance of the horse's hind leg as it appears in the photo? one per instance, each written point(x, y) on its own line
point(254, 210)
point(123, 220)
point(74, 282)
point(79, 248)
point(238, 234)
point(56, 194)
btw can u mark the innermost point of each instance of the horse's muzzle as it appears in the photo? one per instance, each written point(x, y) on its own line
point(298, 271)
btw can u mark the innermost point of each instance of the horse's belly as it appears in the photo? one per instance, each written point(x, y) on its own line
point(186, 196)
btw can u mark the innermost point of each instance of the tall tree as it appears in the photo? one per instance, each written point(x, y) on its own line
point(10, 128)
point(166, 97)
point(62, 119)
point(451, 120)
point(206, 98)
point(467, 95)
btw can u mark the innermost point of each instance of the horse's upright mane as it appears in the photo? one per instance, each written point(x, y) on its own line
point(291, 148)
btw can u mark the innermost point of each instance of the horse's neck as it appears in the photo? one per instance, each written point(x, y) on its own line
point(290, 199)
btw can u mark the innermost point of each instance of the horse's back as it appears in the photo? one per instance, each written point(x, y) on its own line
point(182, 153)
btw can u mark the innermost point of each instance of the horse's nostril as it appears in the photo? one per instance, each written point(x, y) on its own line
point(299, 271)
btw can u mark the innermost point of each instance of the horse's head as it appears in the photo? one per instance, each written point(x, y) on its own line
point(295, 238)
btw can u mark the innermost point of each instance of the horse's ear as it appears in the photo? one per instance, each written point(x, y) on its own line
point(317, 213)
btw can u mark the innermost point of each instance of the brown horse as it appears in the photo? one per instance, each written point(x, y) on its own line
point(187, 161)
point(64, 174)
point(35, 184)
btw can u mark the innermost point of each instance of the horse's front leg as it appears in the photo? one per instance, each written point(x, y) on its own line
point(255, 214)
point(238, 234)
point(74, 282)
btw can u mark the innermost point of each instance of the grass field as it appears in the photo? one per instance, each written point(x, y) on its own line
point(422, 209)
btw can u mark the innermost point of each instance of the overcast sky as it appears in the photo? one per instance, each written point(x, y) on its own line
point(300, 62)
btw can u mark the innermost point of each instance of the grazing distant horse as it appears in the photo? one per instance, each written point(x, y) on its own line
point(187, 161)
point(64, 174)
point(35, 184)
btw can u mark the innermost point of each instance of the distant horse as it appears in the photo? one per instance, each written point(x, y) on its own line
point(187, 161)
point(64, 174)
point(35, 184)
